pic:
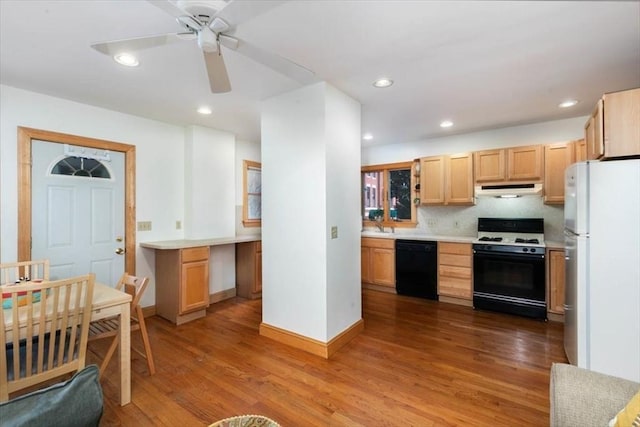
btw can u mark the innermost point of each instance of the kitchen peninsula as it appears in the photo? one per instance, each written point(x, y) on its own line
point(182, 274)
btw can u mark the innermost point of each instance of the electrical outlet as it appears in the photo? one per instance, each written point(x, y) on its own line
point(432, 222)
point(334, 232)
point(144, 225)
point(178, 225)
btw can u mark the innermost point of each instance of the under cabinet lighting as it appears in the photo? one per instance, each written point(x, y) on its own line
point(508, 196)
point(126, 59)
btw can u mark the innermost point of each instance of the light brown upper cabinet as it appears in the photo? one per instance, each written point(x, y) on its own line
point(580, 149)
point(516, 164)
point(447, 180)
point(613, 130)
point(490, 165)
point(556, 159)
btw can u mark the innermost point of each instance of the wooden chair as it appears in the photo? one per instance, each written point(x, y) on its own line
point(45, 331)
point(105, 328)
point(13, 272)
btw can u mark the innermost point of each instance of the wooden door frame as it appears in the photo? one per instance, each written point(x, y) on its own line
point(25, 138)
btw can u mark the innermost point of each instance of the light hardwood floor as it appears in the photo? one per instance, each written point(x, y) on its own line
point(417, 363)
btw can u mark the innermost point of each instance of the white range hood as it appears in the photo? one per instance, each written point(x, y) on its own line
point(508, 190)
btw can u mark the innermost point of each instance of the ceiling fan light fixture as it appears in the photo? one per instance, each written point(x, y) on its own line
point(568, 103)
point(383, 82)
point(204, 110)
point(126, 59)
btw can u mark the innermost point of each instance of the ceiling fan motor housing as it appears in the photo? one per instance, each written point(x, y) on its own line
point(203, 10)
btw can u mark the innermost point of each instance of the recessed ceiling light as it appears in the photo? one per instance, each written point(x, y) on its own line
point(367, 137)
point(568, 103)
point(204, 110)
point(126, 59)
point(446, 124)
point(383, 82)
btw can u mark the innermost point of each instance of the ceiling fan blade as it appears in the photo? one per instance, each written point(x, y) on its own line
point(217, 71)
point(131, 45)
point(273, 61)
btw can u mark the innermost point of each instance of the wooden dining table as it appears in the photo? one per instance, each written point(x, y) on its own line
point(108, 302)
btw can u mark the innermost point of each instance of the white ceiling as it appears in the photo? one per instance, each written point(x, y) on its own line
point(481, 64)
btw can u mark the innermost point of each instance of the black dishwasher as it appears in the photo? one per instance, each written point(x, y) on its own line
point(417, 268)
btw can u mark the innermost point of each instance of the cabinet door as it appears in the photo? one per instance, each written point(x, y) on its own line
point(383, 267)
point(622, 123)
point(432, 181)
point(580, 148)
point(525, 163)
point(489, 166)
point(257, 287)
point(556, 159)
point(593, 134)
point(365, 263)
point(556, 281)
point(194, 286)
point(459, 179)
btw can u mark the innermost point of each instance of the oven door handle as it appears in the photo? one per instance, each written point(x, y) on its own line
point(508, 254)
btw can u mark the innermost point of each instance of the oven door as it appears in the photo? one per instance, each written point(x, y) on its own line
point(510, 282)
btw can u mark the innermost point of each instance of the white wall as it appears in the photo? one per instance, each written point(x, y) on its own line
point(160, 173)
point(209, 192)
point(310, 176)
point(344, 300)
point(294, 212)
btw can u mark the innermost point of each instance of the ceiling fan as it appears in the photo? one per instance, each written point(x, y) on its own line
point(211, 23)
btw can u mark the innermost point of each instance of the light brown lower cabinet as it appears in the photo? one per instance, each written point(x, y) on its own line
point(249, 269)
point(455, 278)
point(378, 262)
point(556, 281)
point(182, 283)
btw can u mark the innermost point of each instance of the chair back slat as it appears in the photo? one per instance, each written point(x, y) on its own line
point(13, 272)
point(47, 336)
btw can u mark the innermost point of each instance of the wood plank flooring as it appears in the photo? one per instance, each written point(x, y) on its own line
point(417, 363)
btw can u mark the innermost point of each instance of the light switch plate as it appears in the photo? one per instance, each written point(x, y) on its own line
point(334, 232)
point(144, 225)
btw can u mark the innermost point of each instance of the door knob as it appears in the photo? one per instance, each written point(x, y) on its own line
point(120, 251)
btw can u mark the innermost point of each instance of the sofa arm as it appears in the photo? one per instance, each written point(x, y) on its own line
point(579, 397)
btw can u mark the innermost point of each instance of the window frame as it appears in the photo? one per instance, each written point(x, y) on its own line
point(246, 221)
point(385, 169)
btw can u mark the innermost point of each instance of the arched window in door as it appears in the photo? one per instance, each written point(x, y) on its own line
point(79, 166)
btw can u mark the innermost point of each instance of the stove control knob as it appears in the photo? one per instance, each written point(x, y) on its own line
point(533, 250)
point(525, 249)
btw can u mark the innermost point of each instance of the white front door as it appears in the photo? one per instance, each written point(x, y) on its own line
point(78, 211)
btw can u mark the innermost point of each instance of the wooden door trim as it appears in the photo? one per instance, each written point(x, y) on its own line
point(25, 137)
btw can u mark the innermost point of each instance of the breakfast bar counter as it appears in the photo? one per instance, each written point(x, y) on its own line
point(194, 243)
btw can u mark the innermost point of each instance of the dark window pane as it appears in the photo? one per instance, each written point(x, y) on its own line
point(77, 166)
point(400, 194)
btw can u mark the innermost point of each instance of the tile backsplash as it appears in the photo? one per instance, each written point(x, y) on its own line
point(463, 220)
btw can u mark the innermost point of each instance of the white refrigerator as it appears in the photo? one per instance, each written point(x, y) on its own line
point(602, 251)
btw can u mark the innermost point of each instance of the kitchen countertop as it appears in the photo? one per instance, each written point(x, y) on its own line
point(418, 236)
point(192, 243)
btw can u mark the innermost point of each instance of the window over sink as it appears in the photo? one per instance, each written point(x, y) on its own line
point(387, 195)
